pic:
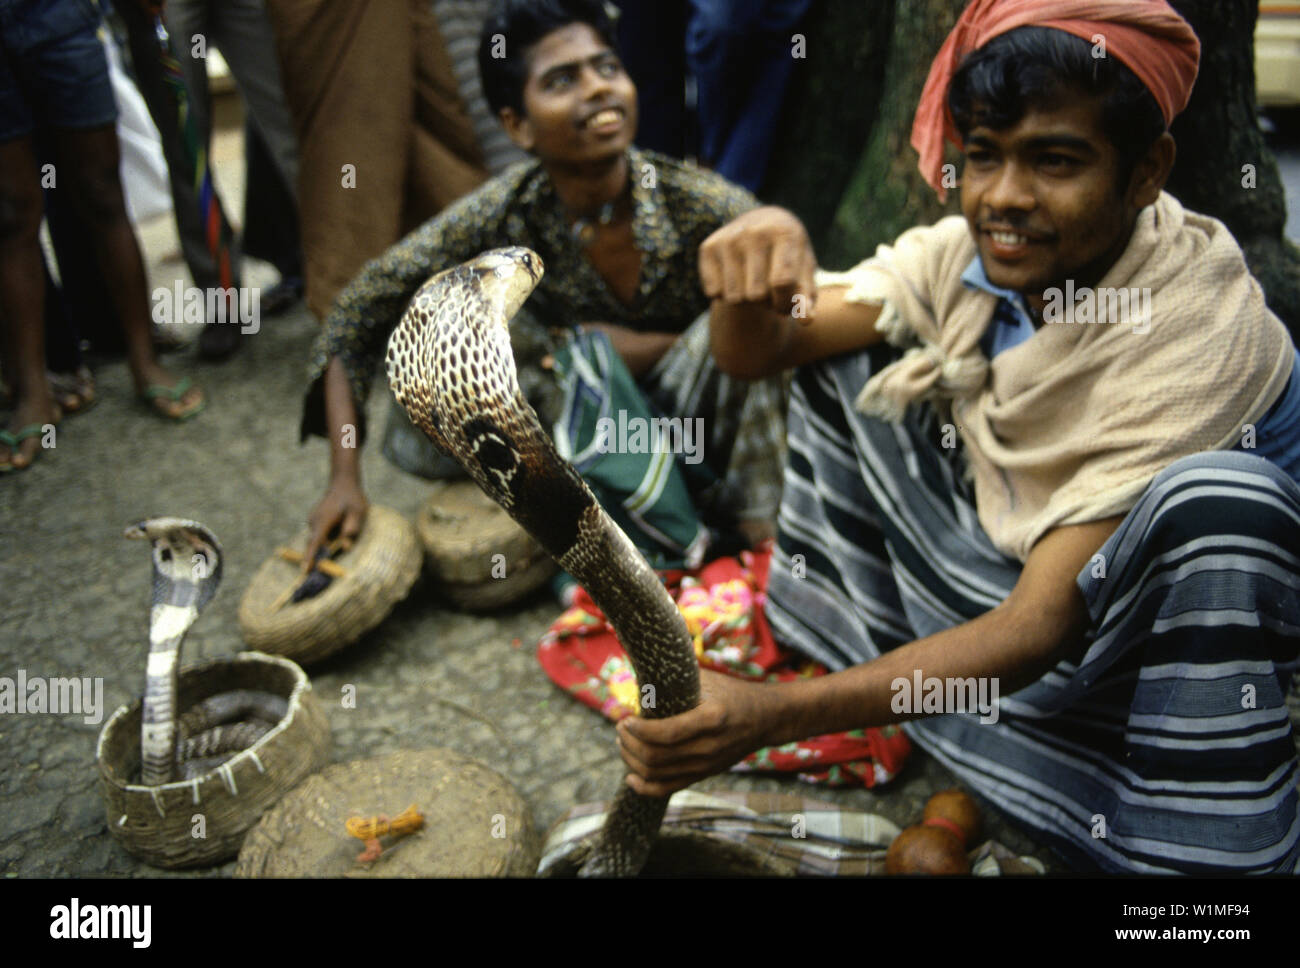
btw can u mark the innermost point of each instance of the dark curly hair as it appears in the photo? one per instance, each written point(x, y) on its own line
point(995, 86)
point(513, 26)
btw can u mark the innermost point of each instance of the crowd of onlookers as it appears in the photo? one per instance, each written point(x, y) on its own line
point(384, 101)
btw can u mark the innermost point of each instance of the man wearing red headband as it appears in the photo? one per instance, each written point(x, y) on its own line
point(1047, 451)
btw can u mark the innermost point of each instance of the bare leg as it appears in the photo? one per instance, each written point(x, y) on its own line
point(22, 296)
point(88, 159)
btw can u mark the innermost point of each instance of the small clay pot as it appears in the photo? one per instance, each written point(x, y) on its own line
point(949, 827)
point(926, 850)
point(958, 809)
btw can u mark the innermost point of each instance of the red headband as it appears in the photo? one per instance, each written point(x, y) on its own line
point(1148, 36)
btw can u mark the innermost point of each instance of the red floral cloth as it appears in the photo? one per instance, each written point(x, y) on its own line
point(722, 603)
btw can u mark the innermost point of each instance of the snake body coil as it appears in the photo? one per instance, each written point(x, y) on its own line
point(450, 366)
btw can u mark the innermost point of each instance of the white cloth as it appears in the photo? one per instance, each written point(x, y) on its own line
point(143, 167)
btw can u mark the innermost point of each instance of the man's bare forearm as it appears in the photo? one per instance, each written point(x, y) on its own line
point(1041, 621)
point(749, 340)
point(341, 421)
point(1006, 645)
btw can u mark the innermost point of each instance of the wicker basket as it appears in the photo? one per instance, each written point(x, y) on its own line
point(475, 823)
point(463, 531)
point(158, 824)
point(679, 853)
point(381, 567)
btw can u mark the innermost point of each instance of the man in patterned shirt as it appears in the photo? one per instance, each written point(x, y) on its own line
point(618, 230)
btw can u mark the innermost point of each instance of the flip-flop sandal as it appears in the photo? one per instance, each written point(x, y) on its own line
point(13, 440)
point(79, 384)
point(175, 394)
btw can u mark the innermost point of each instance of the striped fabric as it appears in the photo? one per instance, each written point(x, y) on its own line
point(642, 488)
point(796, 835)
point(1165, 746)
point(728, 436)
point(745, 422)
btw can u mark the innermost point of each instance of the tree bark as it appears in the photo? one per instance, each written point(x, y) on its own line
point(867, 62)
point(1224, 168)
point(887, 194)
point(830, 109)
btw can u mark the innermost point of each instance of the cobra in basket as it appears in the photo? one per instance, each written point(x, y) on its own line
point(186, 769)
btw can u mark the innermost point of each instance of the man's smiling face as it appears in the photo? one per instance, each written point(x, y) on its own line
point(579, 103)
point(1044, 199)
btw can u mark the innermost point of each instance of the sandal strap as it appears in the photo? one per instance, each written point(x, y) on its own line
point(171, 393)
point(13, 440)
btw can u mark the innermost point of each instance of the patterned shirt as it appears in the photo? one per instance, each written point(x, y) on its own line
point(676, 206)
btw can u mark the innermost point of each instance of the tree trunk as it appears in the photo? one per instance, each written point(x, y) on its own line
point(830, 109)
point(867, 62)
point(887, 194)
point(1224, 168)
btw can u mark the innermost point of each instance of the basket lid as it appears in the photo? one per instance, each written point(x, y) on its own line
point(380, 569)
point(475, 823)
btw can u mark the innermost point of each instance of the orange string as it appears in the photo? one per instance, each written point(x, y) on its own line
point(370, 829)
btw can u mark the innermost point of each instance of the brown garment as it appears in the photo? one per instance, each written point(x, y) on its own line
point(369, 84)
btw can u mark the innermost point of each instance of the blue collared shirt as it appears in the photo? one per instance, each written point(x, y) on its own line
point(1277, 435)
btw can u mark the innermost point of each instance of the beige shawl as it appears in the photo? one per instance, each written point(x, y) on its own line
point(1072, 425)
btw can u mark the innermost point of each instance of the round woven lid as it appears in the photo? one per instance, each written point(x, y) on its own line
point(381, 567)
point(480, 557)
point(475, 823)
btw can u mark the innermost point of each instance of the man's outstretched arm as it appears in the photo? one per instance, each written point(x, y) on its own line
point(1042, 619)
point(767, 314)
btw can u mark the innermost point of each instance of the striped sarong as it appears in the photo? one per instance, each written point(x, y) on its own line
point(1166, 747)
point(744, 422)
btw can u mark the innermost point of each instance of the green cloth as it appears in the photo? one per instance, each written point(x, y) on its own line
point(623, 450)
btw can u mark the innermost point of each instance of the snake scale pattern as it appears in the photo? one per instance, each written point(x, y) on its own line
point(186, 572)
point(450, 366)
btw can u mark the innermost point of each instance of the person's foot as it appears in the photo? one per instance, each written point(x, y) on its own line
point(218, 341)
point(20, 441)
point(169, 396)
point(73, 392)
